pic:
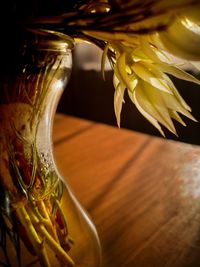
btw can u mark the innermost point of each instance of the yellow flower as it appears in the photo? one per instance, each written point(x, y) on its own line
point(149, 86)
point(139, 37)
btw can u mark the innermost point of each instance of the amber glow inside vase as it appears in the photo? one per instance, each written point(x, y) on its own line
point(41, 221)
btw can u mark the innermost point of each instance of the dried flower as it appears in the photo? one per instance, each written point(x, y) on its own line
point(149, 87)
point(140, 55)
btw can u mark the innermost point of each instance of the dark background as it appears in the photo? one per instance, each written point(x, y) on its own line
point(88, 96)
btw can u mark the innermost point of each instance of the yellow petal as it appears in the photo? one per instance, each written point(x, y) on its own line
point(140, 108)
point(155, 109)
point(152, 52)
point(178, 73)
point(150, 74)
point(178, 96)
point(121, 67)
point(122, 71)
point(103, 60)
point(174, 115)
point(172, 103)
point(118, 101)
point(162, 112)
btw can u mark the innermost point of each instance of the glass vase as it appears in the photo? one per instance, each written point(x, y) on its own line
point(41, 222)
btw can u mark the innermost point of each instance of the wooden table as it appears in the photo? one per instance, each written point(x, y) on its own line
point(142, 192)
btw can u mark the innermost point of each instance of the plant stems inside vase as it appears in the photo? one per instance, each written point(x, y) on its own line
point(33, 195)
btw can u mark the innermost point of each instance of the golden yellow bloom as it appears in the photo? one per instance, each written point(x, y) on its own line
point(149, 87)
point(140, 48)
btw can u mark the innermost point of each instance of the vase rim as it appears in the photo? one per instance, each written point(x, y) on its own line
point(52, 40)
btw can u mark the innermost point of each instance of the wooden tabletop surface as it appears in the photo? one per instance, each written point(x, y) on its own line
point(142, 192)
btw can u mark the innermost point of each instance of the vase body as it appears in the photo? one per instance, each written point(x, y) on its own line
point(42, 223)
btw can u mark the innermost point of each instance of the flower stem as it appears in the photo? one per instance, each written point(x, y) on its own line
point(60, 253)
point(37, 243)
point(47, 220)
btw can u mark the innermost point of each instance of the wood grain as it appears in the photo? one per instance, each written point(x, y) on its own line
point(142, 192)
